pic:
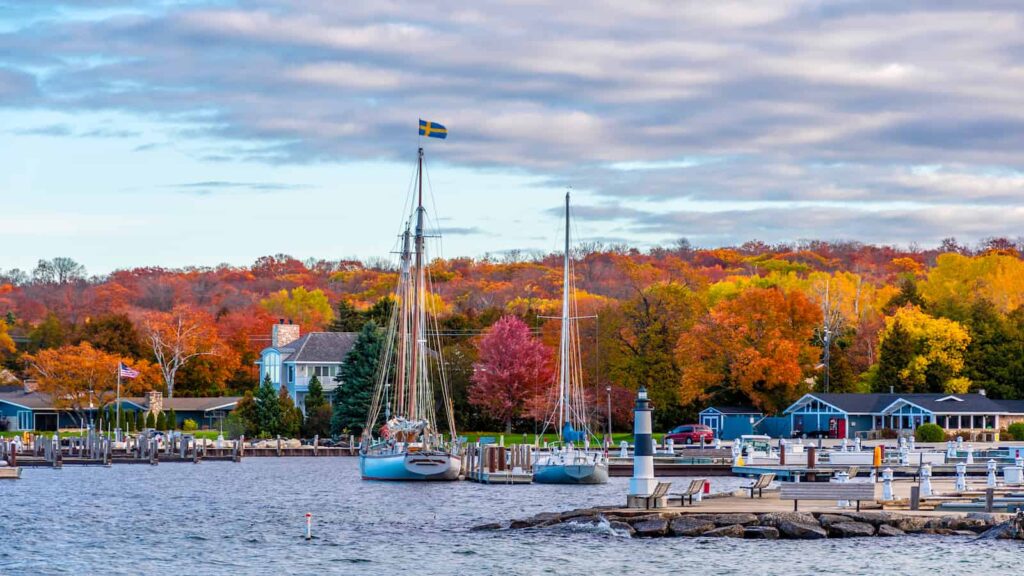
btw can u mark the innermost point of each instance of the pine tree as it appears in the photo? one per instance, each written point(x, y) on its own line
point(246, 412)
point(140, 420)
point(268, 410)
point(150, 420)
point(356, 381)
point(161, 421)
point(291, 416)
point(172, 420)
point(347, 318)
point(315, 395)
point(318, 411)
point(895, 353)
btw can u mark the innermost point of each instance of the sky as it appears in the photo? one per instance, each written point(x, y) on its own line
point(158, 133)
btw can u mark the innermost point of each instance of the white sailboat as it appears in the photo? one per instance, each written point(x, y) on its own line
point(409, 444)
point(570, 463)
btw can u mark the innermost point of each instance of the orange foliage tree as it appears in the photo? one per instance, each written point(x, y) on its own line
point(751, 348)
point(177, 337)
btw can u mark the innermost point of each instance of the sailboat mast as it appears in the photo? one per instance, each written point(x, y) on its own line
point(403, 327)
point(563, 377)
point(417, 288)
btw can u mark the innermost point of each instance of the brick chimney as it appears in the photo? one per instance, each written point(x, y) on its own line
point(155, 400)
point(284, 334)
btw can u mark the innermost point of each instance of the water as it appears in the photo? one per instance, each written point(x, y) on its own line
point(248, 518)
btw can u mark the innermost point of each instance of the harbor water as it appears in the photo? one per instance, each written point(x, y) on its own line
point(249, 518)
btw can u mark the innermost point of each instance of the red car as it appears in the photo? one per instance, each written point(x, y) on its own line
point(691, 434)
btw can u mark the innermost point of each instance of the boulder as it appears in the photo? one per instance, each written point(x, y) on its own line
point(827, 520)
point(760, 533)
point(851, 530)
point(873, 518)
point(619, 526)
point(579, 512)
point(686, 526)
point(773, 519)
point(887, 530)
point(742, 519)
point(734, 531)
point(542, 519)
point(483, 527)
point(798, 530)
point(973, 524)
point(651, 526)
point(1003, 531)
point(911, 524)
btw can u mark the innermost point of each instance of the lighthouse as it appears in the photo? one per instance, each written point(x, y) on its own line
point(642, 484)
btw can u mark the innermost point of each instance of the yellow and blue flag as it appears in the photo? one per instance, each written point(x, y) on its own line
point(432, 130)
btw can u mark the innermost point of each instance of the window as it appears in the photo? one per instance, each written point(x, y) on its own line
point(324, 372)
point(272, 367)
point(291, 373)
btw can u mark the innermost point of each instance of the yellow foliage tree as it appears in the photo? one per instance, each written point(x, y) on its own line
point(995, 277)
point(309, 308)
point(6, 342)
point(938, 347)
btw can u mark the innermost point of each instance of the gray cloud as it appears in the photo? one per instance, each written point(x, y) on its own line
point(218, 186)
point(811, 108)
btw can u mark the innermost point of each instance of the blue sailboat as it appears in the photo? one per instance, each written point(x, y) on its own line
point(406, 444)
point(573, 462)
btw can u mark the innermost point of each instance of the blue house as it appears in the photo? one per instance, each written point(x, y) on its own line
point(850, 415)
point(292, 360)
point(730, 422)
point(207, 413)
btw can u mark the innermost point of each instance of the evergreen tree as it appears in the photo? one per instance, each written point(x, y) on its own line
point(247, 415)
point(172, 420)
point(268, 410)
point(291, 415)
point(150, 420)
point(380, 312)
point(161, 421)
point(356, 381)
point(907, 295)
point(140, 420)
point(315, 395)
point(318, 411)
point(895, 353)
point(347, 318)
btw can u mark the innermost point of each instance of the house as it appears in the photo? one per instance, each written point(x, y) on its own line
point(25, 410)
point(850, 415)
point(292, 360)
point(730, 422)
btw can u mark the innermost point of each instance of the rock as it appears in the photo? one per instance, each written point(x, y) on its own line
point(887, 530)
point(874, 518)
point(729, 519)
point(827, 520)
point(797, 530)
point(652, 526)
point(483, 527)
point(734, 531)
point(971, 533)
point(1004, 531)
point(937, 531)
point(851, 529)
point(542, 519)
point(686, 526)
point(760, 533)
point(989, 517)
point(911, 524)
point(773, 519)
point(619, 526)
point(579, 512)
point(975, 525)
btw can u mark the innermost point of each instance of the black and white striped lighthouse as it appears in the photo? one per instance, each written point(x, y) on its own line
point(642, 483)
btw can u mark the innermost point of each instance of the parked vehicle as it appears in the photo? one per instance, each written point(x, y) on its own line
point(691, 434)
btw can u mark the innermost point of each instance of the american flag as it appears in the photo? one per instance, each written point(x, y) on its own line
point(127, 372)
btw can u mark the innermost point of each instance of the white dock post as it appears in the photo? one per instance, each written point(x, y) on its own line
point(887, 485)
point(950, 450)
point(913, 443)
point(670, 446)
point(961, 477)
point(926, 480)
point(623, 449)
point(959, 443)
point(970, 454)
point(856, 444)
point(991, 480)
point(642, 484)
point(843, 477)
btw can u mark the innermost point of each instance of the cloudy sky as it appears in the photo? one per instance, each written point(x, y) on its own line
point(174, 133)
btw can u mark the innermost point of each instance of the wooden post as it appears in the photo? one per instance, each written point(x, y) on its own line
point(279, 445)
point(12, 454)
point(989, 496)
point(811, 459)
point(915, 497)
point(316, 444)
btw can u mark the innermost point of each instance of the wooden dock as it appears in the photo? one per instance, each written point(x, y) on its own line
point(489, 464)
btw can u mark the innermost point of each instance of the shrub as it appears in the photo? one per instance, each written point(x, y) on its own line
point(189, 425)
point(172, 420)
point(888, 434)
point(1016, 431)
point(929, 432)
point(234, 426)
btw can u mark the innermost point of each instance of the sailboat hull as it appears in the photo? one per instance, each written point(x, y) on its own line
point(410, 466)
point(571, 473)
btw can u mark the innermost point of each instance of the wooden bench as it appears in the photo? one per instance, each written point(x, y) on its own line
point(695, 487)
point(657, 499)
point(827, 491)
point(763, 481)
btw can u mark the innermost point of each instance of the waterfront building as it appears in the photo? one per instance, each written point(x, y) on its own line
point(292, 359)
point(866, 415)
point(730, 422)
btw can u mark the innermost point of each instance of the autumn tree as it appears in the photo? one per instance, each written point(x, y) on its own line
point(178, 337)
point(80, 378)
point(114, 333)
point(354, 393)
point(513, 368)
point(6, 342)
point(921, 353)
point(753, 349)
point(308, 308)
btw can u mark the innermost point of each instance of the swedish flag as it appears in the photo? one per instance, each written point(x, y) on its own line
point(433, 130)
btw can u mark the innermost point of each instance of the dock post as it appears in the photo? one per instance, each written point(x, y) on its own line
point(887, 485)
point(926, 480)
point(970, 454)
point(351, 445)
point(278, 444)
point(991, 480)
point(316, 444)
point(989, 497)
point(642, 484)
point(915, 497)
point(961, 477)
point(12, 455)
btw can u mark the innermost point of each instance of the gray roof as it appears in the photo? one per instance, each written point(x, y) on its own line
point(190, 404)
point(1012, 406)
point(320, 347)
point(31, 400)
point(735, 409)
point(950, 403)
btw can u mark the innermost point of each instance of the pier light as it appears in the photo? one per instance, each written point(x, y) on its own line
point(641, 394)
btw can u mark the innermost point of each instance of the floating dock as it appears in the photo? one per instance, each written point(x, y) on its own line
point(489, 464)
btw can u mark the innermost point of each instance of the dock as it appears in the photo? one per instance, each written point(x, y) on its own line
point(490, 464)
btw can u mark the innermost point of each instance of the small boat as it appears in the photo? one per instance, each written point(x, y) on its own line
point(10, 472)
point(408, 444)
point(570, 464)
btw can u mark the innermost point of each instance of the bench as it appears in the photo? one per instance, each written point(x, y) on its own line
point(763, 481)
point(827, 491)
point(695, 487)
point(657, 499)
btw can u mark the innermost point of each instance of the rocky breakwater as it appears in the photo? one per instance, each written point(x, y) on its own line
point(774, 525)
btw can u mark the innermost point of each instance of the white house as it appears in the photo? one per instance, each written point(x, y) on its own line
point(293, 360)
